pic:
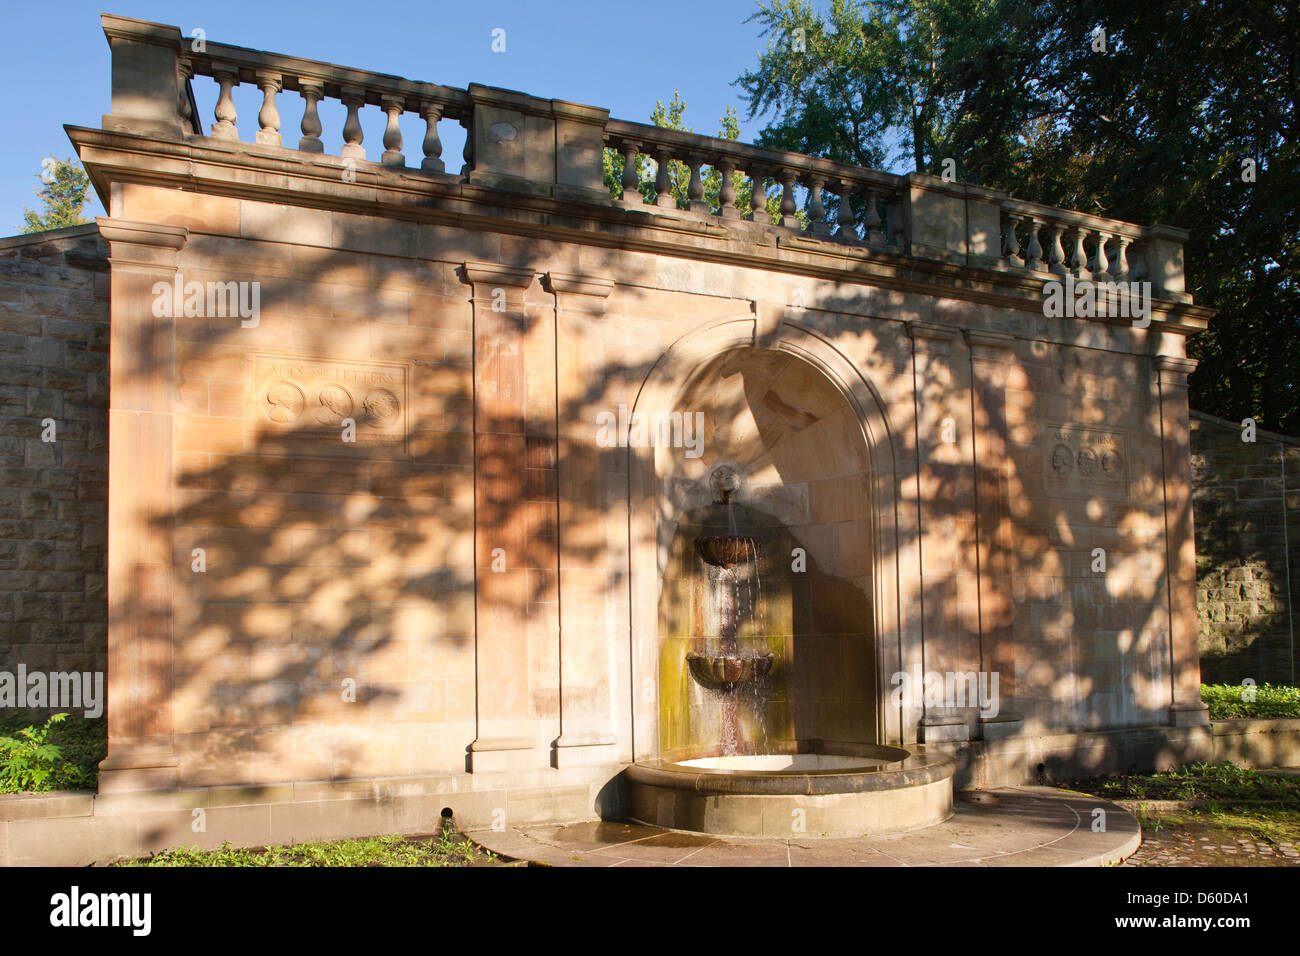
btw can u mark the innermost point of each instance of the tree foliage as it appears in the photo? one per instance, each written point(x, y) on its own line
point(672, 116)
point(1142, 112)
point(63, 191)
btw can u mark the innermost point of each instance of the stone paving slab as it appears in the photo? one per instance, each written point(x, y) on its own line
point(1019, 826)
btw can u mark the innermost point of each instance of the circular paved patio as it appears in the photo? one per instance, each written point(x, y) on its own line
point(1020, 826)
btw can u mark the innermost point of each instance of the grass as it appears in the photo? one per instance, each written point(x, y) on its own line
point(1269, 700)
point(449, 849)
point(1201, 782)
point(54, 754)
point(1237, 802)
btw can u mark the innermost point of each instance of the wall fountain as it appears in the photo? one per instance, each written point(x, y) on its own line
point(739, 752)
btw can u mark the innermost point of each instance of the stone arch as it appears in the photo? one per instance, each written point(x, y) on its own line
point(896, 647)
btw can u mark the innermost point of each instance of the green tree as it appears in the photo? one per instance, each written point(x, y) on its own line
point(1142, 112)
point(672, 116)
point(63, 190)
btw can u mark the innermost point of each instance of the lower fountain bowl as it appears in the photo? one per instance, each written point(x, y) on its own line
point(843, 790)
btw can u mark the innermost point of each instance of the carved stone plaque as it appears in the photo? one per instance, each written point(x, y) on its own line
point(325, 406)
point(1085, 461)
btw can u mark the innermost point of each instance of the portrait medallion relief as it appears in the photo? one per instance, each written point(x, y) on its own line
point(1081, 461)
point(1087, 462)
point(283, 402)
point(307, 404)
point(1062, 459)
point(335, 405)
point(381, 405)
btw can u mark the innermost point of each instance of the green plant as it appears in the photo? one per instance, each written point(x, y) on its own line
point(1228, 701)
point(29, 762)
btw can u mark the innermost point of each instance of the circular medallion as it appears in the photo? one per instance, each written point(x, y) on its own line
point(335, 405)
point(1087, 462)
point(283, 401)
point(381, 405)
point(1062, 459)
point(1110, 464)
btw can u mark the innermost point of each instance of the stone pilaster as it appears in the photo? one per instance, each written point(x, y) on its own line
point(990, 354)
point(1186, 708)
point(588, 574)
point(142, 370)
point(940, 436)
point(505, 728)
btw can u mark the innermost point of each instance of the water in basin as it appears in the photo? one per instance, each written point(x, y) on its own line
point(777, 762)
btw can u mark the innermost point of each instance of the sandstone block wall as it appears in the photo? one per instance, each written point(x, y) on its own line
point(1247, 508)
point(54, 314)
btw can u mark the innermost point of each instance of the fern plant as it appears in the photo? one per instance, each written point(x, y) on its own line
point(29, 763)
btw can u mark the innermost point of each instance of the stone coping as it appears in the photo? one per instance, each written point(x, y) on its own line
point(1255, 725)
point(906, 768)
point(64, 804)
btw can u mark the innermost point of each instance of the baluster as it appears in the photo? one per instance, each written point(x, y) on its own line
point(1119, 269)
point(817, 225)
point(789, 220)
point(353, 137)
point(1100, 265)
point(727, 192)
point(432, 162)
point(392, 156)
point(631, 182)
point(663, 184)
point(468, 152)
point(845, 231)
point(1056, 255)
point(872, 223)
point(1034, 250)
point(225, 109)
point(1079, 258)
point(1010, 244)
point(268, 116)
point(312, 91)
point(695, 190)
point(757, 193)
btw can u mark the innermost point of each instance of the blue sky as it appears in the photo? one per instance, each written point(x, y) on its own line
point(619, 55)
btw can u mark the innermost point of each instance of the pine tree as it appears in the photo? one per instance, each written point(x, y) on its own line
point(64, 195)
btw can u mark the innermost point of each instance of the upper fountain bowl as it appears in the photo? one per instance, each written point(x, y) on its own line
point(726, 671)
point(724, 550)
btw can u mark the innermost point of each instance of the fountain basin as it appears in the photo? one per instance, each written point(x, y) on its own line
point(725, 671)
point(814, 789)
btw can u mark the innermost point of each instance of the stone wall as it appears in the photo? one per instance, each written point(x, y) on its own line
point(1247, 511)
point(53, 494)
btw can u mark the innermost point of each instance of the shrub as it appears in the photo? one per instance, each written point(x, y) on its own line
point(1271, 700)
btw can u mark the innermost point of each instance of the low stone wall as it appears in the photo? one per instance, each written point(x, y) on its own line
point(53, 494)
point(1257, 743)
point(78, 829)
point(1247, 516)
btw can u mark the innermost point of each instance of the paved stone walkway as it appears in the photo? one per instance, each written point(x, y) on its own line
point(1179, 847)
point(1022, 826)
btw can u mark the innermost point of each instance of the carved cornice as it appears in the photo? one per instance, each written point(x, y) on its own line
point(990, 345)
point(205, 165)
point(1174, 369)
point(570, 284)
point(142, 233)
point(931, 337)
point(490, 273)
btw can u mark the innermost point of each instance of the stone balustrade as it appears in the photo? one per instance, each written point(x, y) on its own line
point(314, 81)
point(877, 195)
point(1055, 242)
point(522, 143)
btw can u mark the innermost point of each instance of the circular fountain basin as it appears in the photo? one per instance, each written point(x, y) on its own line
point(842, 790)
